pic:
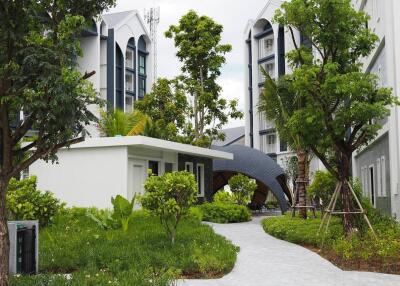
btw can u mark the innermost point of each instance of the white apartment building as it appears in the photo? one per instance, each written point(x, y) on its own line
point(378, 165)
point(118, 48)
point(266, 46)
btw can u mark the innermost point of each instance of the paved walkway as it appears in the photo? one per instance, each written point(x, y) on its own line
point(267, 261)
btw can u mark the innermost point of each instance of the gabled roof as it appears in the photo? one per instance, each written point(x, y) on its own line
point(152, 143)
point(231, 136)
point(114, 19)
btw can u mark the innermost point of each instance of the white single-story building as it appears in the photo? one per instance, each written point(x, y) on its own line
point(90, 173)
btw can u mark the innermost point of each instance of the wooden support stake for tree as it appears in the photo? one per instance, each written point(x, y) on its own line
point(362, 210)
point(329, 207)
point(332, 205)
point(295, 204)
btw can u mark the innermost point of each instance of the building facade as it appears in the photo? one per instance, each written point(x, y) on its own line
point(266, 47)
point(91, 172)
point(378, 165)
point(118, 49)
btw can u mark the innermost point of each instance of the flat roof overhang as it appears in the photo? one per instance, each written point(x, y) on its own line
point(152, 143)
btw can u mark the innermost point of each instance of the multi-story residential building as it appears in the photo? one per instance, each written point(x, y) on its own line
point(118, 48)
point(266, 46)
point(378, 165)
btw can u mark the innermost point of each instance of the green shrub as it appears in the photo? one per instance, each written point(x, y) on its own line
point(225, 213)
point(26, 202)
point(195, 213)
point(169, 197)
point(242, 188)
point(224, 197)
point(272, 204)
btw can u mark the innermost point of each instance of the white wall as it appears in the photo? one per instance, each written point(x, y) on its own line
point(85, 177)
point(88, 63)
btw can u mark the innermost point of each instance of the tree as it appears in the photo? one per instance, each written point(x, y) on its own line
point(118, 123)
point(242, 188)
point(343, 105)
point(167, 107)
point(39, 44)
point(278, 102)
point(169, 197)
point(202, 55)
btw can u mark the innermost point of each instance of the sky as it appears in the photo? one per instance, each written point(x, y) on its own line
point(232, 14)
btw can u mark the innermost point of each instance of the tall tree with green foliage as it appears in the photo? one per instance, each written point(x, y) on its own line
point(167, 107)
point(39, 44)
point(278, 102)
point(343, 105)
point(198, 40)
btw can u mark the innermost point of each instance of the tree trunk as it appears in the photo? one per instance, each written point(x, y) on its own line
point(301, 178)
point(344, 171)
point(4, 238)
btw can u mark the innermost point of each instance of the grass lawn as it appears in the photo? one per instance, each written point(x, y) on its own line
point(75, 245)
point(360, 252)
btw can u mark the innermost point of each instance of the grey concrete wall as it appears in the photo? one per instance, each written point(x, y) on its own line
point(208, 172)
point(369, 157)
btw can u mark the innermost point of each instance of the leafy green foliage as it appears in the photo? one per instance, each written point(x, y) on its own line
point(225, 213)
point(341, 105)
point(118, 123)
point(224, 197)
point(198, 40)
point(169, 197)
point(167, 107)
point(242, 188)
point(141, 256)
point(118, 218)
point(322, 187)
point(26, 202)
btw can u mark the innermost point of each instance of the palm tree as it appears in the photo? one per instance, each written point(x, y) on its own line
point(278, 102)
point(118, 123)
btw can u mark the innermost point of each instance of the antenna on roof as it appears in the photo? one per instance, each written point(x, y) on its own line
point(153, 19)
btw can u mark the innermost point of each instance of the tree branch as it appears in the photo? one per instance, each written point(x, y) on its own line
point(325, 161)
point(88, 75)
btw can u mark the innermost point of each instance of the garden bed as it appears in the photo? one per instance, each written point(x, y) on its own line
point(358, 253)
point(75, 245)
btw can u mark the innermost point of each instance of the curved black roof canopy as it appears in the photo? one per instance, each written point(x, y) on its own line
point(255, 164)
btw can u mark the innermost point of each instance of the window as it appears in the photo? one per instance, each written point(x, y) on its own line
point(142, 64)
point(378, 178)
point(269, 68)
point(283, 146)
point(200, 180)
point(25, 174)
point(189, 167)
point(371, 179)
point(130, 58)
point(142, 87)
point(266, 46)
point(130, 81)
point(383, 176)
point(271, 139)
point(153, 166)
point(128, 103)
point(168, 167)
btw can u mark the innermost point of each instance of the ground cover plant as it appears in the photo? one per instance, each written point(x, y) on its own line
point(74, 244)
point(360, 252)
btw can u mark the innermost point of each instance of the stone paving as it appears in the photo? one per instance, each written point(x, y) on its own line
point(266, 261)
